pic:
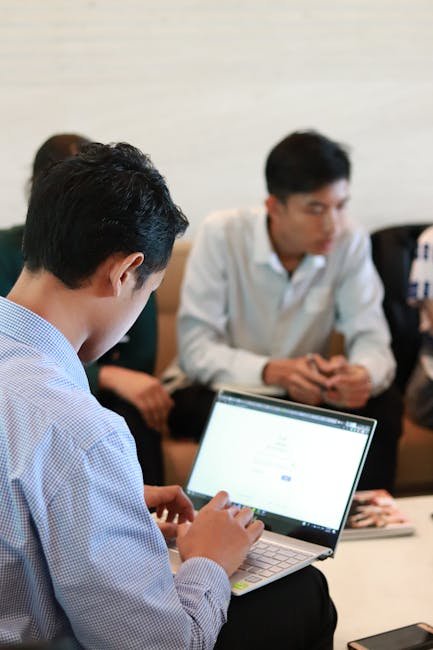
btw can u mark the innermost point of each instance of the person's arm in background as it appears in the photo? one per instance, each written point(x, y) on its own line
point(142, 390)
point(371, 366)
point(127, 370)
point(204, 351)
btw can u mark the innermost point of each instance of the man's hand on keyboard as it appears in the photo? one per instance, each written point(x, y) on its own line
point(171, 503)
point(220, 532)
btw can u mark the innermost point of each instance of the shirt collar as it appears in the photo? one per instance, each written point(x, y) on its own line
point(263, 251)
point(25, 326)
point(265, 254)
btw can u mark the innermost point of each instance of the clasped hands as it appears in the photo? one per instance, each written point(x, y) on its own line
point(314, 380)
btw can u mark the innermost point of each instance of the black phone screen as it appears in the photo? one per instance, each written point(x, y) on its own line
point(404, 638)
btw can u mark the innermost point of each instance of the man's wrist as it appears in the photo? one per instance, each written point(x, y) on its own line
point(268, 374)
point(107, 377)
point(265, 373)
point(272, 374)
point(368, 379)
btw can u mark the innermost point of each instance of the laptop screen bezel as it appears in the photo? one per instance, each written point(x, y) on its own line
point(279, 524)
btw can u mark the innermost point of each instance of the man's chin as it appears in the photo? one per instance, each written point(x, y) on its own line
point(325, 247)
point(88, 360)
point(88, 356)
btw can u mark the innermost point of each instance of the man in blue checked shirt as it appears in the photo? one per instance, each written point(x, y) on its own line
point(80, 555)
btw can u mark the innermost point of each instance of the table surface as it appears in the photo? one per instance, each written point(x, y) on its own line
point(380, 584)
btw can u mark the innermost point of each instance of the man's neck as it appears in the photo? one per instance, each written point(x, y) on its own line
point(43, 294)
point(289, 260)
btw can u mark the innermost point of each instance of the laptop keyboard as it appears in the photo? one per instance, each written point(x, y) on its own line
point(265, 559)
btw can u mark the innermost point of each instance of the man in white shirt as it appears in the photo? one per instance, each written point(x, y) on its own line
point(265, 289)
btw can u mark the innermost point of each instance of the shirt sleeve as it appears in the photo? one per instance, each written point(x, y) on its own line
point(360, 316)
point(205, 354)
point(109, 563)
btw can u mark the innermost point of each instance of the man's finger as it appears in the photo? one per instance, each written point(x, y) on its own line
point(187, 515)
point(338, 382)
point(167, 529)
point(154, 419)
point(182, 529)
point(311, 374)
point(161, 400)
point(219, 501)
point(349, 382)
point(245, 516)
point(307, 388)
point(338, 363)
point(254, 530)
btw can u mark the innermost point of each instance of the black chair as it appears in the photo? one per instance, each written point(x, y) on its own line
point(393, 250)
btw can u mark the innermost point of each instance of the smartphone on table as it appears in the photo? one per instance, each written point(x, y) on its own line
point(418, 636)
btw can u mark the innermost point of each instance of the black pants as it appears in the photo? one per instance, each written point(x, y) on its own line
point(294, 612)
point(380, 466)
point(147, 440)
point(193, 404)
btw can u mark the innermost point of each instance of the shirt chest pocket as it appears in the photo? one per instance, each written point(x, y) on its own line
point(317, 299)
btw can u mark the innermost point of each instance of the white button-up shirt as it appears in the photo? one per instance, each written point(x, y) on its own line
point(240, 307)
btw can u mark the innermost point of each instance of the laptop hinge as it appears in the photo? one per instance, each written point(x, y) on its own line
point(328, 553)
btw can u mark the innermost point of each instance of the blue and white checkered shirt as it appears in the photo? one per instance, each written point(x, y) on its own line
point(80, 554)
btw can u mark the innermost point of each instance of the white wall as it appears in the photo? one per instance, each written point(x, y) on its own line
point(207, 87)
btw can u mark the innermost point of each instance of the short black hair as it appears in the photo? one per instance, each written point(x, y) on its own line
point(57, 147)
point(304, 162)
point(107, 199)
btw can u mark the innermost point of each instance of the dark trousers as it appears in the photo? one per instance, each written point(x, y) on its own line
point(294, 612)
point(193, 404)
point(147, 440)
point(381, 463)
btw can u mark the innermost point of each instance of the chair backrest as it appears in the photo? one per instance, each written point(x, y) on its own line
point(168, 297)
point(393, 250)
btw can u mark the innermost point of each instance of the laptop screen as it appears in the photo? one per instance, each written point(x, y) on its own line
point(297, 466)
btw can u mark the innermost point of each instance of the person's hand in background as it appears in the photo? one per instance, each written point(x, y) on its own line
point(144, 391)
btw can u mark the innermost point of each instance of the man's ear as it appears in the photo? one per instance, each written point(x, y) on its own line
point(122, 271)
point(273, 205)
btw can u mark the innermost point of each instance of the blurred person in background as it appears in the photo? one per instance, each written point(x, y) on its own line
point(122, 379)
point(265, 288)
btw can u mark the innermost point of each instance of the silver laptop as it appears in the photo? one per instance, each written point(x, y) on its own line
point(296, 466)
